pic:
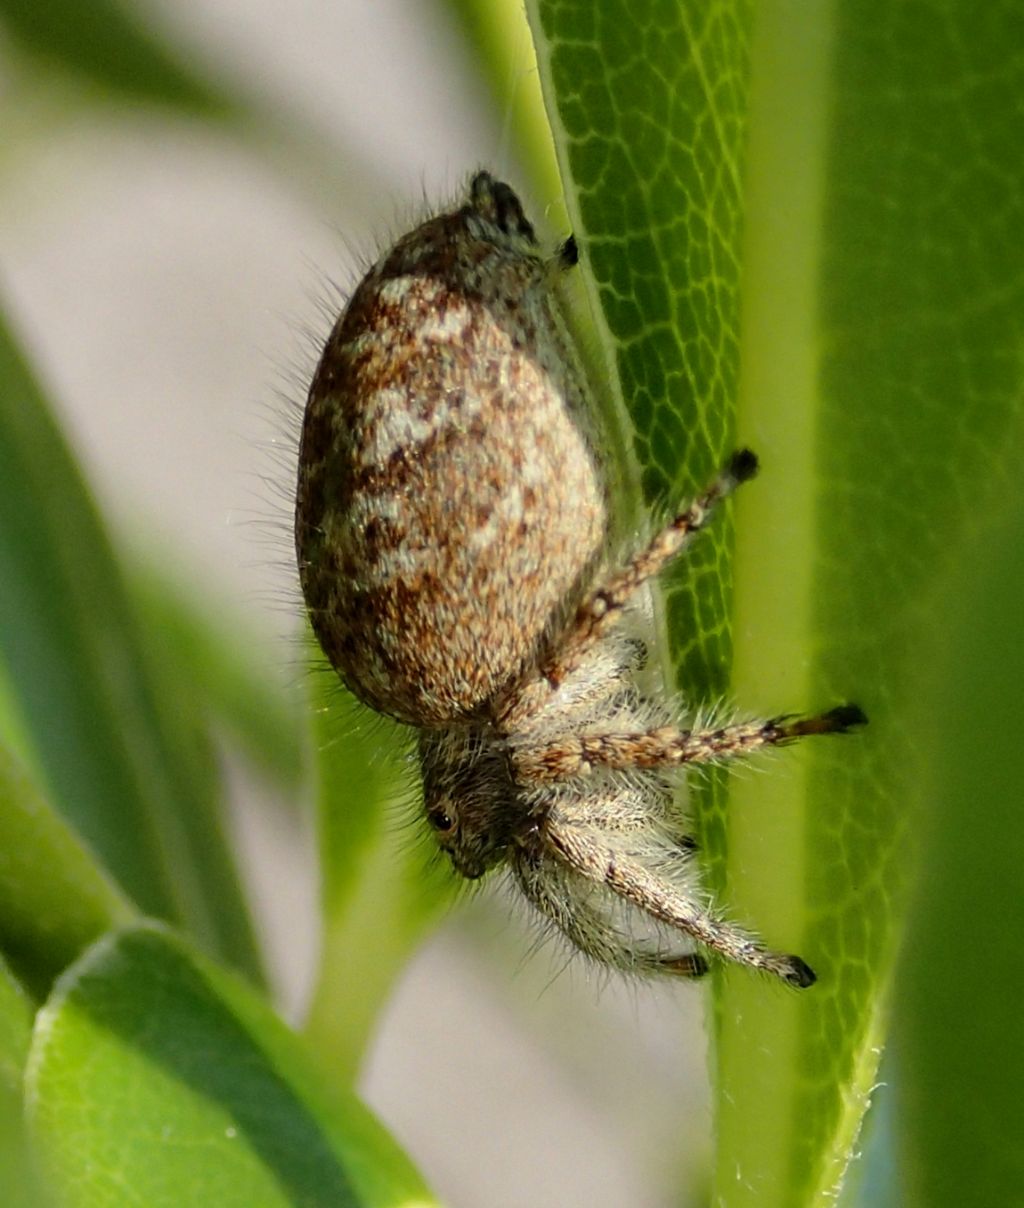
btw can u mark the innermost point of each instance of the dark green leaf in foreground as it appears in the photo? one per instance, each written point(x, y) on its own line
point(124, 757)
point(155, 1078)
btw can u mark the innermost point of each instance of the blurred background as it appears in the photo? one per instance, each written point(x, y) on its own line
point(170, 280)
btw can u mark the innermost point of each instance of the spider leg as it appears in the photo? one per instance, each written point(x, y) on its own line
point(603, 605)
point(668, 746)
point(572, 903)
point(583, 850)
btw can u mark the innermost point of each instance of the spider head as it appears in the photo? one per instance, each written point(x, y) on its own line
point(468, 798)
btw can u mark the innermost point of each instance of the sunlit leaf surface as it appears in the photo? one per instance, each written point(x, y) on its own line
point(853, 263)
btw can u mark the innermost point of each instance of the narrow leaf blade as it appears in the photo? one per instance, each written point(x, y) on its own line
point(44, 867)
point(958, 1035)
point(125, 760)
point(222, 663)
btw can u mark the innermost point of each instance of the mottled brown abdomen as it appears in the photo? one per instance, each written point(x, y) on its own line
point(448, 500)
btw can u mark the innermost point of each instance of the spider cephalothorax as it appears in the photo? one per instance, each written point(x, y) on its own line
point(451, 534)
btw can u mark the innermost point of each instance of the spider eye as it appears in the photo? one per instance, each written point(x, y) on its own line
point(440, 821)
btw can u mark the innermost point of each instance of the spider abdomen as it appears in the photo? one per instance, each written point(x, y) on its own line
point(448, 497)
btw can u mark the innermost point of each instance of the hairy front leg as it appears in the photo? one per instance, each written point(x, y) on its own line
point(669, 746)
point(573, 904)
point(635, 880)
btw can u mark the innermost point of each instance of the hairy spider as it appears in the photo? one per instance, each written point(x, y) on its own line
point(451, 533)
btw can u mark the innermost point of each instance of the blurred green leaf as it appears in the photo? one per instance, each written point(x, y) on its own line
point(223, 665)
point(157, 1076)
point(959, 1035)
point(13, 732)
point(54, 898)
point(112, 46)
point(878, 281)
point(382, 889)
point(125, 759)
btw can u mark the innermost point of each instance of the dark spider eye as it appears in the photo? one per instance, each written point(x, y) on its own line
point(439, 820)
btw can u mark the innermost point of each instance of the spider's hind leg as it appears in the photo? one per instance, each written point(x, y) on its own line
point(604, 603)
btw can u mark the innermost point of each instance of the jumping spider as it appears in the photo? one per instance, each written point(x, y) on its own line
point(451, 532)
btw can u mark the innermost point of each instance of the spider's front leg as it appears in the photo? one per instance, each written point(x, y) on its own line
point(607, 863)
point(573, 903)
point(669, 746)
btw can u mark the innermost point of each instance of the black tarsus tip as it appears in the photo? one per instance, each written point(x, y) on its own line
point(845, 717)
point(799, 973)
point(839, 720)
point(569, 253)
point(743, 465)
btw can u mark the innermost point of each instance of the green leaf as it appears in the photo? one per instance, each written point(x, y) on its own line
point(15, 1029)
point(18, 1180)
point(54, 898)
point(381, 889)
point(123, 756)
point(13, 731)
point(889, 295)
point(156, 1078)
point(958, 1035)
point(112, 47)
point(872, 299)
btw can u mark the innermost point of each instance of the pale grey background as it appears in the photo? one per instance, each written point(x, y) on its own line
point(162, 279)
